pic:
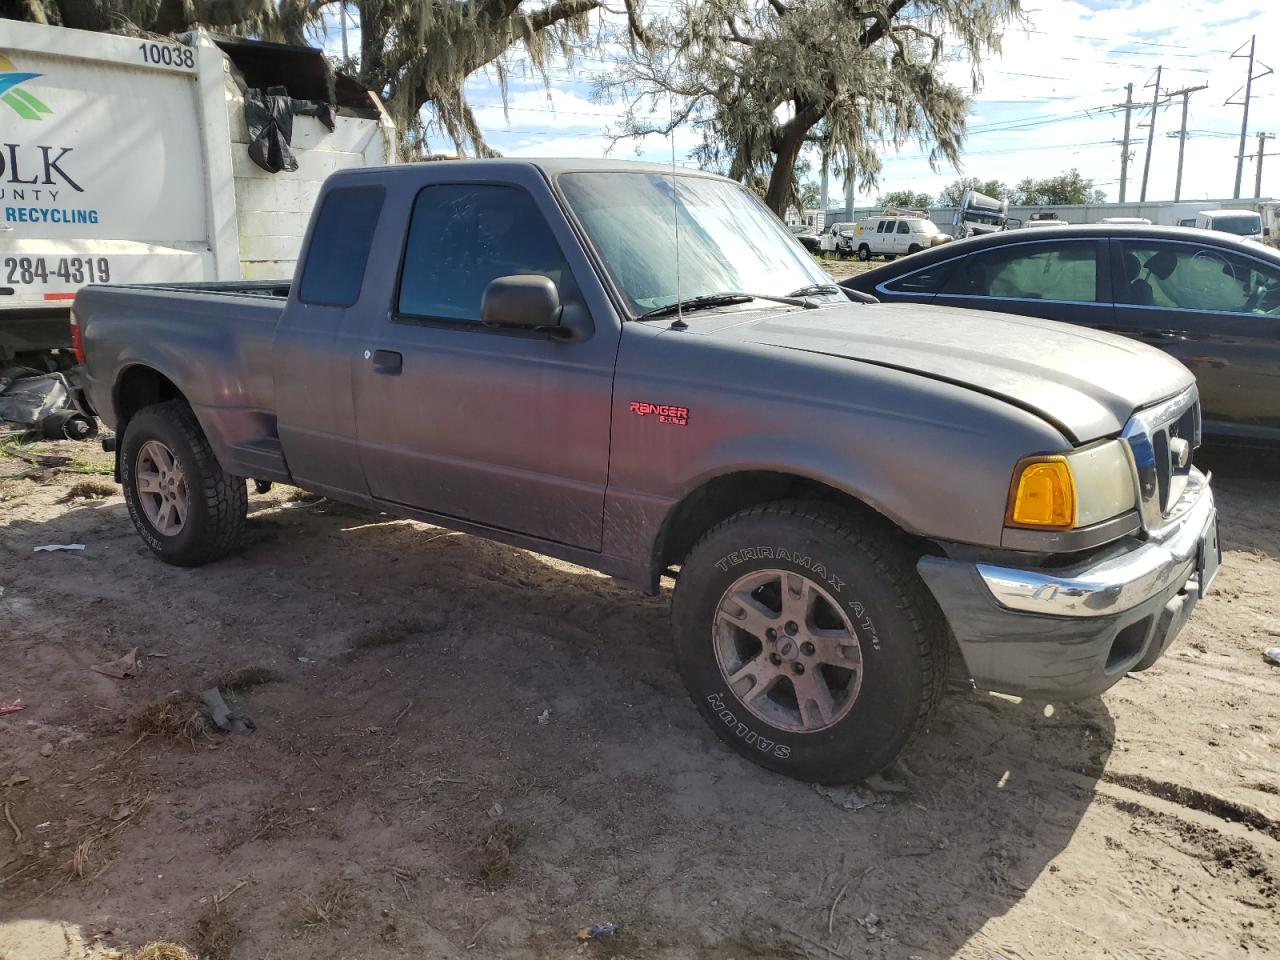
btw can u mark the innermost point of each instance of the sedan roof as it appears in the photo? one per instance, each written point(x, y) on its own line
point(1082, 231)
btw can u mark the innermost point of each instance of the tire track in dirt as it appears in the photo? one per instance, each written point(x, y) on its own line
point(1195, 799)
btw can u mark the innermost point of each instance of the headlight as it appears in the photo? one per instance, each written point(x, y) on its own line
point(1077, 489)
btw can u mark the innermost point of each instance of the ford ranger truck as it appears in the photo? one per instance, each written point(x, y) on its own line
point(640, 371)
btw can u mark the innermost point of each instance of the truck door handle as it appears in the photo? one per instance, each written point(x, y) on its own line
point(387, 361)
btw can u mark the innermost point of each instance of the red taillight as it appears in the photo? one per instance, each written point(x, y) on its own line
point(77, 345)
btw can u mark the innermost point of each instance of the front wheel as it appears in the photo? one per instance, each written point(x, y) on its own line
point(184, 507)
point(864, 253)
point(810, 645)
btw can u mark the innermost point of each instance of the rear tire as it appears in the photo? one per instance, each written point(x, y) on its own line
point(914, 248)
point(858, 652)
point(185, 508)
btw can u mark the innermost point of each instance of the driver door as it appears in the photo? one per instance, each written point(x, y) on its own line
point(499, 427)
point(1217, 311)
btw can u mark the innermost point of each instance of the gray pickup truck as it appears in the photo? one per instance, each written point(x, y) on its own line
point(641, 372)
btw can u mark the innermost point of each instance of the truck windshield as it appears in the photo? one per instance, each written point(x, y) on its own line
point(728, 240)
point(1240, 226)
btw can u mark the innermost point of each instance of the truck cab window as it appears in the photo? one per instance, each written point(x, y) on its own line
point(339, 246)
point(462, 237)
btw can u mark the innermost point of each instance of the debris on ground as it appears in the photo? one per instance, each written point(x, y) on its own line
point(494, 861)
point(1272, 655)
point(849, 798)
point(121, 668)
point(245, 678)
point(162, 950)
point(881, 784)
point(222, 715)
point(54, 547)
point(544, 717)
point(44, 404)
point(15, 707)
point(90, 490)
point(597, 931)
point(870, 922)
point(178, 717)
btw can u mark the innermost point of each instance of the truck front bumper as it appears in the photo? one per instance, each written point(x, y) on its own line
point(1072, 632)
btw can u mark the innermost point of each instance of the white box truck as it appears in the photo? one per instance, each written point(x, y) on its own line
point(126, 160)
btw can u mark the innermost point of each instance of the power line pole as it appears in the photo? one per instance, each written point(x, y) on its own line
point(1262, 148)
point(1248, 94)
point(1151, 135)
point(1185, 93)
point(1127, 107)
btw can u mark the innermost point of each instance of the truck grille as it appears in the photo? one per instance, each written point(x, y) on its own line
point(1162, 440)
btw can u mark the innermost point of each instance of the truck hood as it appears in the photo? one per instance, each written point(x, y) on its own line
point(1085, 382)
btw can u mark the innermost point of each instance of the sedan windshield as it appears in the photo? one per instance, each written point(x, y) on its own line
point(728, 241)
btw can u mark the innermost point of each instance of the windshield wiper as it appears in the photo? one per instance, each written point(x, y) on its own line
point(720, 300)
point(814, 289)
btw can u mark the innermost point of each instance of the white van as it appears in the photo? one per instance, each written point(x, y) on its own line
point(895, 236)
point(1245, 224)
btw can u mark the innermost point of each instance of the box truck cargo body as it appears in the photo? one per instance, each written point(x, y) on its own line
point(126, 160)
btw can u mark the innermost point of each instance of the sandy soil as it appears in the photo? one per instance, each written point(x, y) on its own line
point(467, 750)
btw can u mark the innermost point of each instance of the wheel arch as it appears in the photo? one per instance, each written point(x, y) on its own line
point(138, 386)
point(716, 498)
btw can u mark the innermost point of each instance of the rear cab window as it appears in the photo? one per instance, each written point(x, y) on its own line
point(339, 247)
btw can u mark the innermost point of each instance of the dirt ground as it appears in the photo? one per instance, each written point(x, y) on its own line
point(465, 750)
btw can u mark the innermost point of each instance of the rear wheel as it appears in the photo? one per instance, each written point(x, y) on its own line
point(809, 644)
point(914, 248)
point(184, 507)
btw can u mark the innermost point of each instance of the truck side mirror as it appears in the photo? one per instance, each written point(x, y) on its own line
point(529, 301)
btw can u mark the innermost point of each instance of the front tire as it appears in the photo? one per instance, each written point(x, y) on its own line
point(808, 643)
point(864, 253)
point(185, 508)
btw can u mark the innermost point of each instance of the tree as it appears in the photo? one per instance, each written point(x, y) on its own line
point(412, 54)
point(1065, 188)
point(906, 199)
point(954, 193)
point(760, 79)
point(809, 195)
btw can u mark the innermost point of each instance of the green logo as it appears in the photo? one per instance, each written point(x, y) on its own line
point(16, 99)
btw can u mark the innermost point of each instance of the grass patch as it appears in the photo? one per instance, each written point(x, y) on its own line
point(93, 469)
point(162, 950)
point(246, 678)
point(179, 717)
point(332, 907)
point(214, 934)
point(89, 490)
point(495, 854)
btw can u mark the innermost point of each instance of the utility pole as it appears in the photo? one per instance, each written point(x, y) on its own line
point(1185, 93)
point(1262, 148)
point(1151, 135)
point(342, 15)
point(1127, 106)
point(1248, 95)
point(825, 192)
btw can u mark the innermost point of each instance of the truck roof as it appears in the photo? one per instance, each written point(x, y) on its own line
point(550, 166)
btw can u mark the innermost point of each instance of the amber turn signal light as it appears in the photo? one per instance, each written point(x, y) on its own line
point(1043, 494)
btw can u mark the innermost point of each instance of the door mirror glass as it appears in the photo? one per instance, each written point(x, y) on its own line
point(529, 301)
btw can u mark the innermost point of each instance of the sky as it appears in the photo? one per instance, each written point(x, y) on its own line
point(1043, 106)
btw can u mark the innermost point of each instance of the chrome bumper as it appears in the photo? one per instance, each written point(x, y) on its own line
point(1122, 578)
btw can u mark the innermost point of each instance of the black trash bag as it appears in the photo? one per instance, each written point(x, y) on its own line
point(270, 119)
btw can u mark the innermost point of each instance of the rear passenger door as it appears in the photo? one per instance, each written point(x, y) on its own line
point(504, 428)
point(1066, 280)
point(1217, 311)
